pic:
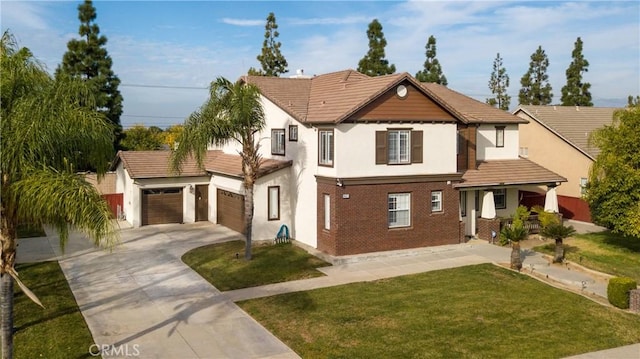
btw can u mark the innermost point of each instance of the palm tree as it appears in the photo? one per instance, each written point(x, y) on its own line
point(558, 232)
point(233, 112)
point(47, 127)
point(515, 233)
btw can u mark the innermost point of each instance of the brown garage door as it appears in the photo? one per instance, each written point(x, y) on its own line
point(230, 209)
point(161, 205)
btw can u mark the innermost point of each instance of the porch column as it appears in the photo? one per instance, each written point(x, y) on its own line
point(551, 201)
point(488, 206)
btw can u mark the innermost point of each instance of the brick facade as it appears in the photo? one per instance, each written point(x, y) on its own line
point(359, 218)
point(485, 226)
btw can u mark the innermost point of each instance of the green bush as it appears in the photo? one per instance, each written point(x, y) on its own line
point(618, 291)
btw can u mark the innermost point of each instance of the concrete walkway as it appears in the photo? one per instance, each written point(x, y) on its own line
point(143, 297)
point(369, 267)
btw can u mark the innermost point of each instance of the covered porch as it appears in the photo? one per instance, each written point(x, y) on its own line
point(492, 192)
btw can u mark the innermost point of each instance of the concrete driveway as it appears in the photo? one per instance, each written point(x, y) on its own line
point(141, 300)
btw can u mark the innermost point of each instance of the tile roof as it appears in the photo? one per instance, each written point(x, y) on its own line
point(572, 123)
point(508, 172)
point(155, 164)
point(231, 165)
point(334, 97)
point(290, 94)
point(471, 110)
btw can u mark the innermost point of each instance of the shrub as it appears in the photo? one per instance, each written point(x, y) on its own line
point(546, 218)
point(618, 291)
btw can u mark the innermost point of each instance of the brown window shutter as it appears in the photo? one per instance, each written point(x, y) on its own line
point(381, 147)
point(416, 146)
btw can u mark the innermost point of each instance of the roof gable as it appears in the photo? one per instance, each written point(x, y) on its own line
point(572, 124)
point(415, 106)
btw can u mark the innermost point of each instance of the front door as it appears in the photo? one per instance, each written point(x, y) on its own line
point(202, 203)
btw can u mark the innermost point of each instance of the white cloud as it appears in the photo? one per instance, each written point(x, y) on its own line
point(21, 14)
point(329, 20)
point(242, 22)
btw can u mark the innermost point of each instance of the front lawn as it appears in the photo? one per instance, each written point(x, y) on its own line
point(219, 265)
point(480, 311)
point(58, 330)
point(607, 252)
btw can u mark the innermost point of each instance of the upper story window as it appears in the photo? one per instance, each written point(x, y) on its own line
point(500, 198)
point(398, 146)
point(325, 148)
point(293, 133)
point(277, 141)
point(499, 136)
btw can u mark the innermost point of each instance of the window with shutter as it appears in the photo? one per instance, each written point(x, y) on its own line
point(398, 147)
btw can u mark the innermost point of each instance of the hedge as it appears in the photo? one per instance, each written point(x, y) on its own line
point(618, 291)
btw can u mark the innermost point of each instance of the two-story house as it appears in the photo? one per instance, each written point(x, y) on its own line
point(363, 164)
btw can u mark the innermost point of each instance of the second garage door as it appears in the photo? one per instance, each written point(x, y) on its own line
point(230, 210)
point(161, 205)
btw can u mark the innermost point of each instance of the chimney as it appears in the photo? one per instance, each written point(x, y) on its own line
point(299, 75)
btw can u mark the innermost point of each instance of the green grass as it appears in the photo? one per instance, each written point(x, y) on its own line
point(606, 252)
point(59, 330)
point(26, 230)
point(478, 311)
point(217, 264)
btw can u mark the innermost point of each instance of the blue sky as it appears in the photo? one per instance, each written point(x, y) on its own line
point(190, 43)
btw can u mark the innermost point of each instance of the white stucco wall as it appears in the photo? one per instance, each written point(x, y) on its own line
point(486, 143)
point(355, 149)
point(301, 178)
point(263, 227)
point(130, 202)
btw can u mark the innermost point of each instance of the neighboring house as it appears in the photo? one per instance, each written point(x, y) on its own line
point(557, 137)
point(357, 164)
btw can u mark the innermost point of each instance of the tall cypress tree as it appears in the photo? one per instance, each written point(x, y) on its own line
point(498, 84)
point(576, 92)
point(272, 61)
point(88, 59)
point(374, 63)
point(536, 89)
point(432, 71)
